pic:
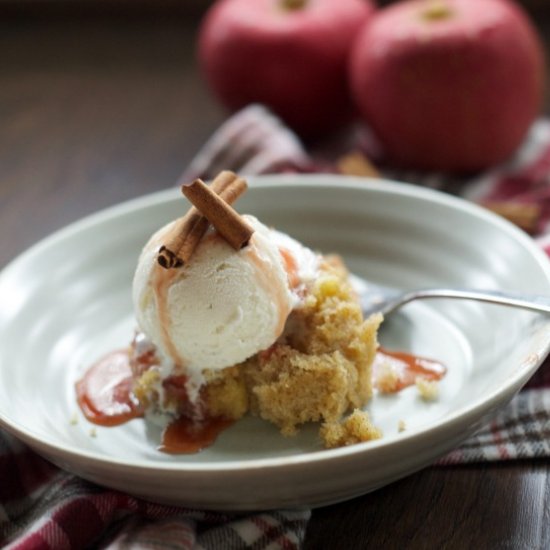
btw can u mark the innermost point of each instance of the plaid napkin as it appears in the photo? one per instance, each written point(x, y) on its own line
point(42, 507)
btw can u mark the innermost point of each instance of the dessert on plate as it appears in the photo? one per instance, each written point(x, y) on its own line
point(237, 318)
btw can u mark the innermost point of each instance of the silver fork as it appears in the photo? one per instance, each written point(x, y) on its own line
point(375, 298)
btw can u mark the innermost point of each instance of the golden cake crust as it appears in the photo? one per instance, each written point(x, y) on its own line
point(322, 367)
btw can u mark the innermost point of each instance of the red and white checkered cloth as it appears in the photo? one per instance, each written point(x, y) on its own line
point(42, 507)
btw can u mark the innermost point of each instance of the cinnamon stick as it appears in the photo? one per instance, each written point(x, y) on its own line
point(232, 227)
point(189, 230)
point(357, 164)
point(525, 216)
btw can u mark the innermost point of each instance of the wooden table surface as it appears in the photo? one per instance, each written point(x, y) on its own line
point(96, 111)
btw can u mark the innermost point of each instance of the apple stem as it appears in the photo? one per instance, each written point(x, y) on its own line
point(293, 4)
point(436, 10)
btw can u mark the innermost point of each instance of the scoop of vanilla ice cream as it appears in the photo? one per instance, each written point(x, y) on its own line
point(224, 305)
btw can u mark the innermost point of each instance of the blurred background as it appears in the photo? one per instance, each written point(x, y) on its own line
point(185, 7)
point(105, 96)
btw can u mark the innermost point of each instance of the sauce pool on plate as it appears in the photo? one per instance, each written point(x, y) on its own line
point(105, 396)
point(403, 370)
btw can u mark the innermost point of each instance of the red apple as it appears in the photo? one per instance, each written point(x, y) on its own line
point(448, 84)
point(290, 55)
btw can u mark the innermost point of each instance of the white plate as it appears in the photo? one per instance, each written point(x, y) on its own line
point(66, 301)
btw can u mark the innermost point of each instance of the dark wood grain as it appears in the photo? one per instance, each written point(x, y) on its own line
point(485, 506)
point(95, 111)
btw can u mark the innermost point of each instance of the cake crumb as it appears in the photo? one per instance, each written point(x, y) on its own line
point(401, 426)
point(387, 378)
point(356, 428)
point(93, 432)
point(74, 419)
point(428, 389)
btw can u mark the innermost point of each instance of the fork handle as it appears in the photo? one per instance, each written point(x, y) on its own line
point(521, 300)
